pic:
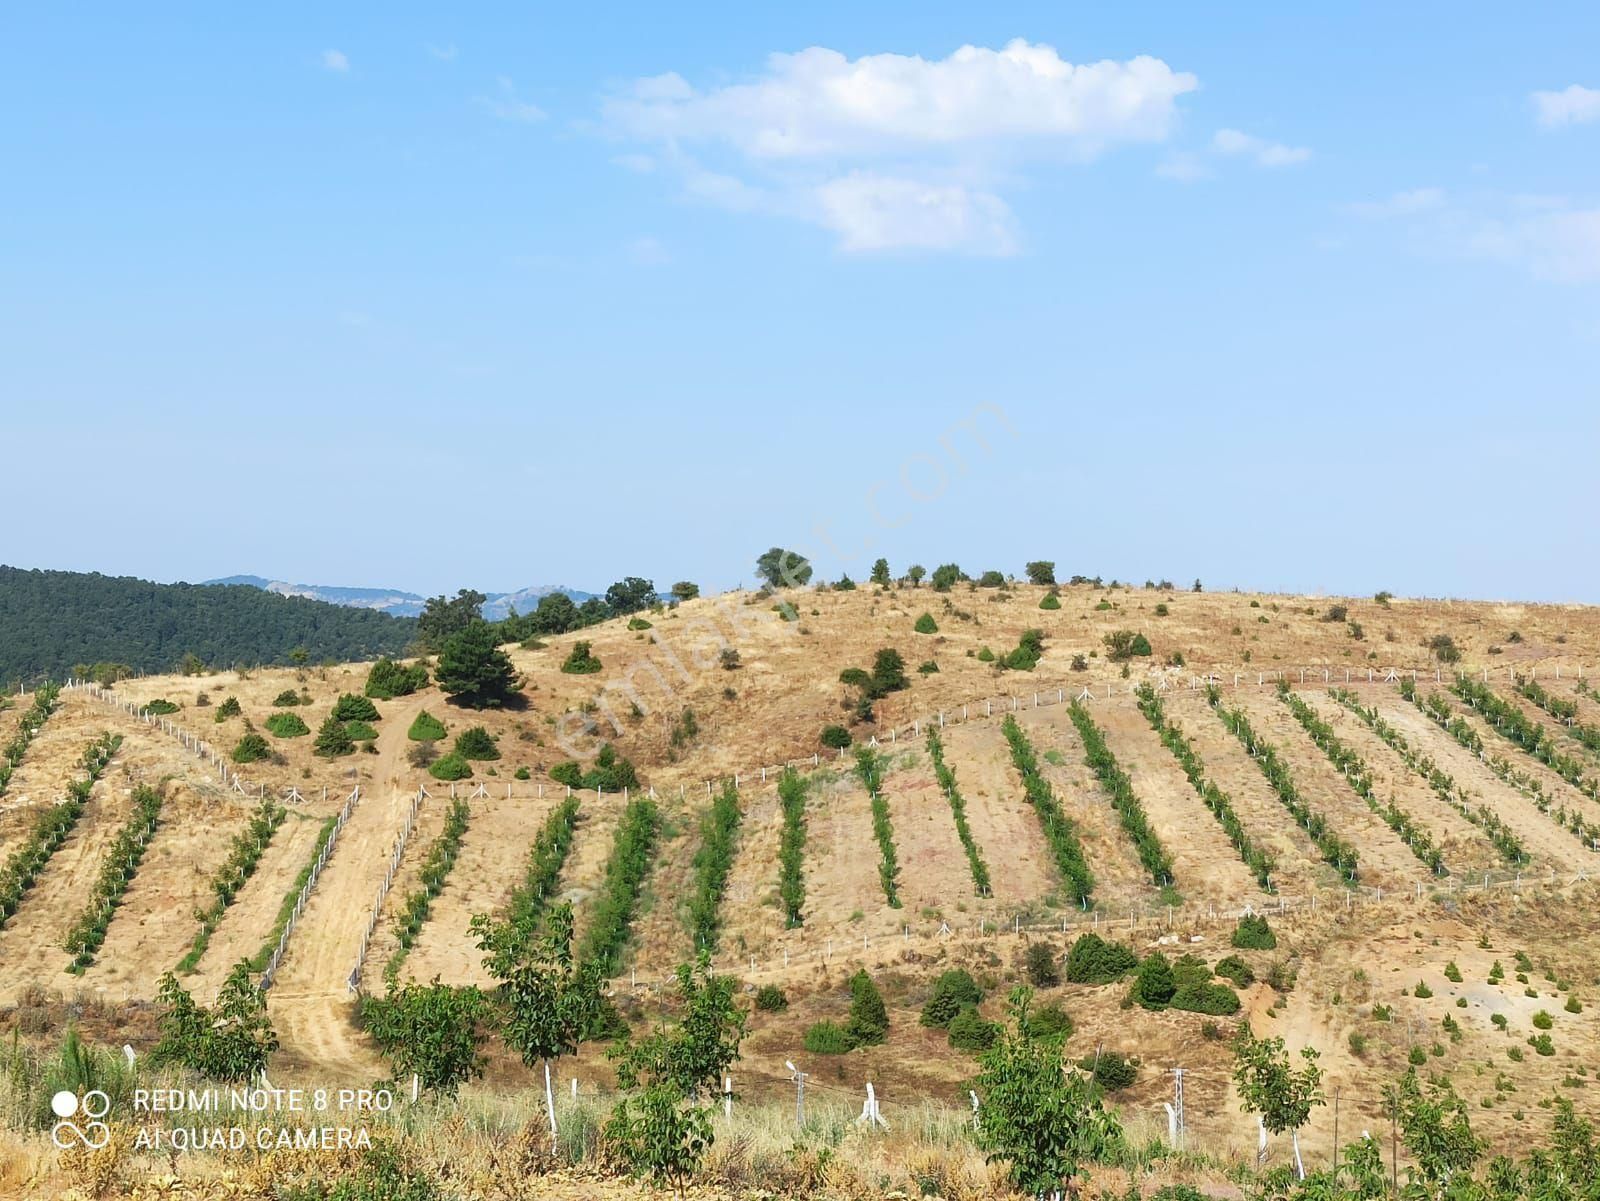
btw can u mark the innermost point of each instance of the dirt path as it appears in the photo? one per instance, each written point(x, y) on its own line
point(309, 994)
point(494, 852)
point(430, 823)
point(1385, 861)
point(1205, 865)
point(1466, 848)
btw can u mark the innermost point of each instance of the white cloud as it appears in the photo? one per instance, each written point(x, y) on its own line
point(877, 212)
point(893, 151)
point(643, 164)
point(1544, 236)
point(1401, 204)
point(1266, 154)
point(335, 60)
point(506, 105)
point(1562, 246)
point(1574, 105)
point(445, 54)
point(819, 103)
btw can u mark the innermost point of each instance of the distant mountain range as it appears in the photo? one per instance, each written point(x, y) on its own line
point(399, 603)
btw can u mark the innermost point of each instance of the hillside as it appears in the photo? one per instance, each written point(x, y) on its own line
point(53, 620)
point(1468, 849)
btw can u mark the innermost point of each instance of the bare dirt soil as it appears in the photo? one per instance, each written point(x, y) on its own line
point(1344, 960)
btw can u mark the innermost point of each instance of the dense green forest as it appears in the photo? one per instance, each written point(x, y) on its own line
point(51, 620)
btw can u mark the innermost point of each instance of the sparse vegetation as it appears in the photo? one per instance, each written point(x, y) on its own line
point(946, 777)
point(1335, 850)
point(1059, 831)
point(117, 868)
point(1218, 802)
point(1119, 788)
point(1354, 769)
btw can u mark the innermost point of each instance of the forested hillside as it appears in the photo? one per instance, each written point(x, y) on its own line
point(52, 620)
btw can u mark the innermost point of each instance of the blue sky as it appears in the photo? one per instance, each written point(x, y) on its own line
point(389, 295)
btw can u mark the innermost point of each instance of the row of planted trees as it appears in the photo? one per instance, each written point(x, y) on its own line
point(1040, 1114)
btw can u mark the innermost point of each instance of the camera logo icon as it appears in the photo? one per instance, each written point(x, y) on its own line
point(93, 1107)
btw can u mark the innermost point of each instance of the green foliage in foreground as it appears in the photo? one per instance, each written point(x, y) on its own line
point(436, 1031)
point(230, 1042)
point(661, 1127)
point(1040, 1117)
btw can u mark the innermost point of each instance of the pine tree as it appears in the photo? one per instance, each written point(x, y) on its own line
point(473, 671)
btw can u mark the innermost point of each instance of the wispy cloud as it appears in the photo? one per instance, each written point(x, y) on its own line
point(648, 252)
point(896, 152)
point(1184, 166)
point(1574, 105)
point(1546, 237)
point(1562, 246)
point(1400, 204)
point(506, 105)
point(335, 60)
point(1265, 153)
point(445, 54)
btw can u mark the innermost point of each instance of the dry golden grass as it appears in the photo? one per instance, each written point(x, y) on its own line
point(784, 692)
